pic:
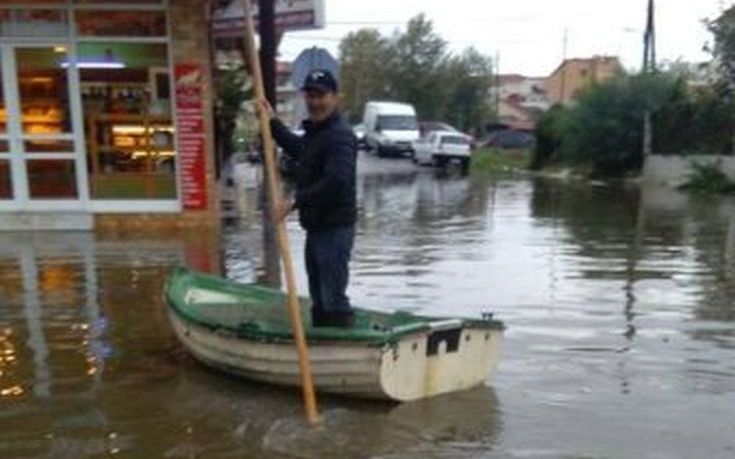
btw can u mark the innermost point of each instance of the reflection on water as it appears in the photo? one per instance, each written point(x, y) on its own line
point(620, 343)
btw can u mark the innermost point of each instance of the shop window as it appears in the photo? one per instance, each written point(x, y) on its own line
point(6, 189)
point(48, 146)
point(43, 89)
point(129, 127)
point(52, 179)
point(103, 23)
point(33, 22)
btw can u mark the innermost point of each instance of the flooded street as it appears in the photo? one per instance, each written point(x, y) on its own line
point(620, 307)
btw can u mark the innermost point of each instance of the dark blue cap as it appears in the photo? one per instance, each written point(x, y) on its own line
point(320, 80)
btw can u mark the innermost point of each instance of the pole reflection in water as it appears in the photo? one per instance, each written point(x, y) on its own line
point(32, 312)
point(730, 247)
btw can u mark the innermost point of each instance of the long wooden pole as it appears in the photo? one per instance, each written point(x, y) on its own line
point(269, 150)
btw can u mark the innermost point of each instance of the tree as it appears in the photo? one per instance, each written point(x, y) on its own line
point(470, 78)
point(604, 128)
point(549, 133)
point(416, 72)
point(416, 67)
point(363, 78)
point(232, 92)
point(723, 49)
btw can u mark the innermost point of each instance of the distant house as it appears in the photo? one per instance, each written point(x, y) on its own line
point(528, 92)
point(513, 115)
point(564, 85)
point(520, 100)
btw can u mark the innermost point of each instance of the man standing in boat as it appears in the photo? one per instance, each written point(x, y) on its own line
point(326, 157)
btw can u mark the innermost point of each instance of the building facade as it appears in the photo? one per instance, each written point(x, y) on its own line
point(520, 100)
point(565, 84)
point(105, 114)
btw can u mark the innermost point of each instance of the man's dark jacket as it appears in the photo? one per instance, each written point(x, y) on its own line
point(326, 158)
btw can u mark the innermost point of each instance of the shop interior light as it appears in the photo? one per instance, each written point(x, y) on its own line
point(90, 64)
point(108, 61)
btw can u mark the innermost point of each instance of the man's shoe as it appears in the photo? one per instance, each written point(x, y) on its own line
point(324, 318)
point(317, 316)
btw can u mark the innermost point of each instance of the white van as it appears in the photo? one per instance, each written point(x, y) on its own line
point(391, 128)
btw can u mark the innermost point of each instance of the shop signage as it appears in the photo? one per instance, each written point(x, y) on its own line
point(190, 135)
point(291, 15)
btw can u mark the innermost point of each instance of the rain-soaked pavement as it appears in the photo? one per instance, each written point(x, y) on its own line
point(621, 338)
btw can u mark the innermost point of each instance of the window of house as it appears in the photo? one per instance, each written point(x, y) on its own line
point(43, 89)
point(126, 101)
point(33, 22)
point(45, 121)
point(105, 23)
point(6, 190)
point(52, 179)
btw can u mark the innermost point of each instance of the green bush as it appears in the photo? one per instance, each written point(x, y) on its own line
point(489, 161)
point(708, 179)
point(549, 134)
point(604, 129)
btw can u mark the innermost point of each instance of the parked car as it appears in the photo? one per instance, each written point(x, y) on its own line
point(427, 127)
point(511, 139)
point(442, 148)
point(390, 128)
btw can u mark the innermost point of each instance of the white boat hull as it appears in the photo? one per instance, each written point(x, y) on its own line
point(419, 365)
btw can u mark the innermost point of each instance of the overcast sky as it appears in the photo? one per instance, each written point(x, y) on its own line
point(529, 34)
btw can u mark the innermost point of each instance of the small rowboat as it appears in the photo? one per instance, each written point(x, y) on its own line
point(244, 330)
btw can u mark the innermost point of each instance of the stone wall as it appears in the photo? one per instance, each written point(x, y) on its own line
point(673, 170)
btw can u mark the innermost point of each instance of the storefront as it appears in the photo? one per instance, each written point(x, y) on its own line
point(105, 113)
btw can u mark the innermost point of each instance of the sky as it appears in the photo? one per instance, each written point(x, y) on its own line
point(528, 35)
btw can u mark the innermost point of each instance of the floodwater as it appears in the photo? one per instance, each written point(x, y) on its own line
point(619, 305)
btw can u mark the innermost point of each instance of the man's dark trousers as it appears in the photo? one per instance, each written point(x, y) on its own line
point(327, 254)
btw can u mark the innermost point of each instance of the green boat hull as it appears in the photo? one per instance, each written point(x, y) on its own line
point(244, 330)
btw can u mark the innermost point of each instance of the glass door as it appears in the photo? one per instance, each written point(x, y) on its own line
point(42, 127)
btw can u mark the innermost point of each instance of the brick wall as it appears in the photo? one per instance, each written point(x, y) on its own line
point(574, 75)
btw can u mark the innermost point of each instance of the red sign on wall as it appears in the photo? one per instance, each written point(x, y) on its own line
point(190, 135)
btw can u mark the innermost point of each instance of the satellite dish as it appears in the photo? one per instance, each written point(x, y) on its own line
point(312, 59)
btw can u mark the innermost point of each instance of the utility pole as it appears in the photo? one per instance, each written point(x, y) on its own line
point(564, 49)
point(649, 39)
point(268, 47)
point(497, 86)
point(649, 66)
point(268, 51)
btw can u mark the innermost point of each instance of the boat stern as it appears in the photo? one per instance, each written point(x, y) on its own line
point(451, 356)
